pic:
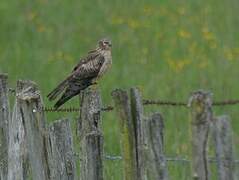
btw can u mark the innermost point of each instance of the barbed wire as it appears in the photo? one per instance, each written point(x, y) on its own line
point(145, 102)
point(163, 103)
point(172, 103)
point(226, 102)
point(72, 109)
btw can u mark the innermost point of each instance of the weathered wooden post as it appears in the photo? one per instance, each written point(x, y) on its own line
point(156, 161)
point(150, 160)
point(4, 120)
point(200, 104)
point(141, 138)
point(91, 137)
point(17, 151)
point(27, 135)
point(122, 106)
point(60, 151)
point(222, 137)
point(139, 129)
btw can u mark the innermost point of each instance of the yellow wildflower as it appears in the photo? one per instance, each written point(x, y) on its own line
point(148, 10)
point(132, 23)
point(229, 54)
point(178, 65)
point(184, 34)
point(208, 35)
point(31, 16)
point(117, 20)
point(41, 28)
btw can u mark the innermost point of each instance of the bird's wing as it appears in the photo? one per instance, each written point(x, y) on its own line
point(91, 56)
point(86, 69)
point(81, 78)
point(89, 69)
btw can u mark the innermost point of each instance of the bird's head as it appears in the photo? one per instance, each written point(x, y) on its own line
point(105, 44)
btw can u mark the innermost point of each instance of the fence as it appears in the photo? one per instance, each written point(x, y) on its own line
point(31, 149)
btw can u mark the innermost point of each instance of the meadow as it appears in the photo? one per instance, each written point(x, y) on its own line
point(166, 48)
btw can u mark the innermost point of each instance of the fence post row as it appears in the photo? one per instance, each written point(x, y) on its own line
point(36, 151)
point(141, 143)
point(201, 115)
point(91, 138)
point(60, 151)
point(4, 120)
point(222, 137)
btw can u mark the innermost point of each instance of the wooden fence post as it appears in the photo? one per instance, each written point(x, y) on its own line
point(150, 160)
point(222, 137)
point(201, 114)
point(141, 138)
point(60, 151)
point(122, 105)
point(29, 138)
point(139, 126)
point(156, 161)
point(17, 151)
point(91, 137)
point(4, 120)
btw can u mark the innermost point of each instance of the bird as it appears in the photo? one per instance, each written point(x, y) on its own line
point(86, 73)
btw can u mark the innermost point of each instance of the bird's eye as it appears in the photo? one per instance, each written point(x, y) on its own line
point(106, 42)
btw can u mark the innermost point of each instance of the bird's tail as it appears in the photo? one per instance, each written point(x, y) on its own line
point(53, 94)
point(65, 97)
point(71, 92)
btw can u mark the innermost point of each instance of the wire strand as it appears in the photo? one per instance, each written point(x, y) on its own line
point(145, 102)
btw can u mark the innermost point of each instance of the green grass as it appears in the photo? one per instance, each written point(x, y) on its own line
point(166, 48)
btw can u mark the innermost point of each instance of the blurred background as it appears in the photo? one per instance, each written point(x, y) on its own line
point(166, 48)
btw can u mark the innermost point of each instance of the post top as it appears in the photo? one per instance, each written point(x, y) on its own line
point(200, 97)
point(27, 90)
point(3, 76)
